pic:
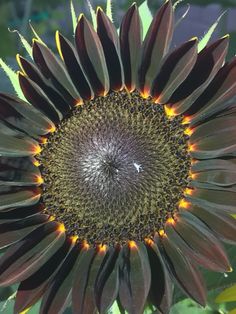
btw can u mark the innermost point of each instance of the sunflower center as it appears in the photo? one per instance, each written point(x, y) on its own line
point(115, 169)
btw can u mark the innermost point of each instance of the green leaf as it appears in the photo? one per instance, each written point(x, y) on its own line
point(146, 16)
point(183, 16)
point(25, 43)
point(109, 9)
point(73, 15)
point(204, 41)
point(93, 14)
point(114, 309)
point(189, 306)
point(216, 282)
point(227, 295)
point(13, 77)
point(219, 281)
point(36, 34)
point(175, 5)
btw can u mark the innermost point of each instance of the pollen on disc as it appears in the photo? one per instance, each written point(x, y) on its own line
point(115, 169)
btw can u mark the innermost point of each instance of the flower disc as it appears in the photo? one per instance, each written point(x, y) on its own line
point(115, 169)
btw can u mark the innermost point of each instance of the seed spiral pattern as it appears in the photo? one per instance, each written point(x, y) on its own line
point(115, 169)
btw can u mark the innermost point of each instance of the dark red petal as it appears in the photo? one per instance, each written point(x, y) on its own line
point(155, 46)
point(193, 254)
point(17, 177)
point(223, 200)
point(111, 47)
point(218, 221)
point(213, 164)
point(107, 282)
point(55, 96)
point(22, 116)
point(210, 186)
point(19, 197)
point(130, 45)
point(86, 292)
point(35, 95)
point(14, 231)
point(209, 61)
point(17, 145)
point(201, 239)
point(215, 145)
point(56, 298)
point(53, 69)
point(80, 294)
point(216, 96)
point(135, 278)
point(25, 257)
point(73, 66)
point(213, 127)
point(185, 273)
point(174, 71)
point(19, 213)
point(32, 289)
point(161, 289)
point(225, 178)
point(92, 57)
point(21, 163)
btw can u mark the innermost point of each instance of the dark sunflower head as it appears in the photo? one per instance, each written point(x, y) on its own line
point(117, 168)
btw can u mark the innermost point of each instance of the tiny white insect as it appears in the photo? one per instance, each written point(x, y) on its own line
point(138, 167)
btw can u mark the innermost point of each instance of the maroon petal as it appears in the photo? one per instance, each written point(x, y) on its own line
point(111, 47)
point(92, 57)
point(216, 145)
point(86, 302)
point(135, 277)
point(216, 96)
point(33, 288)
point(185, 273)
point(21, 163)
point(224, 178)
point(223, 200)
point(11, 232)
point(83, 299)
point(189, 252)
point(16, 177)
point(73, 66)
point(57, 296)
point(218, 221)
point(35, 95)
point(19, 197)
point(53, 69)
point(161, 289)
point(174, 71)
point(13, 214)
point(130, 44)
point(213, 127)
point(193, 249)
point(22, 116)
point(18, 145)
point(196, 234)
point(55, 96)
point(209, 62)
point(107, 282)
point(213, 164)
point(25, 257)
point(155, 46)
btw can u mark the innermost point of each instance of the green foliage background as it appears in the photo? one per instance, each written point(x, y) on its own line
point(49, 15)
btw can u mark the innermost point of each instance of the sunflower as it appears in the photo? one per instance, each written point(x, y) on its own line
point(118, 168)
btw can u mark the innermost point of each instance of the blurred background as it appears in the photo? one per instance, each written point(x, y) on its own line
point(49, 15)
